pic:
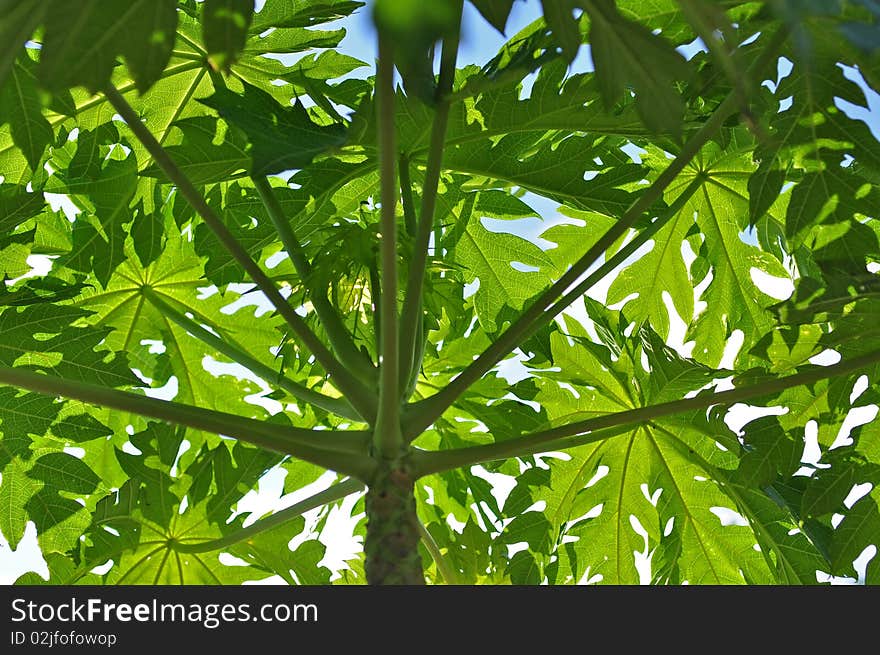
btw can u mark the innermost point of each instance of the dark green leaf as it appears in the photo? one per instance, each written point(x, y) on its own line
point(18, 19)
point(559, 15)
point(148, 236)
point(281, 138)
point(627, 55)
point(80, 428)
point(17, 205)
point(495, 11)
point(827, 490)
point(765, 185)
point(83, 40)
point(21, 107)
point(148, 39)
point(225, 24)
point(24, 416)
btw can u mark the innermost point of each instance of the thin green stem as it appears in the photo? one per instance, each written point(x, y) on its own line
point(406, 196)
point(376, 301)
point(358, 394)
point(216, 77)
point(417, 359)
point(411, 220)
point(388, 439)
point(429, 462)
point(339, 451)
point(592, 429)
point(449, 575)
point(411, 315)
point(188, 56)
point(279, 220)
point(192, 44)
point(329, 495)
point(425, 412)
point(338, 406)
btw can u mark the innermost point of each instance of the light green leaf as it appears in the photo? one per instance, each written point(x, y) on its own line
point(501, 263)
point(16, 489)
point(717, 213)
point(65, 472)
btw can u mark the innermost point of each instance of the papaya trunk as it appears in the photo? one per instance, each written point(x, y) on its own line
point(392, 541)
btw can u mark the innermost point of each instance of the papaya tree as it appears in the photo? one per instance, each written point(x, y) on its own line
point(555, 322)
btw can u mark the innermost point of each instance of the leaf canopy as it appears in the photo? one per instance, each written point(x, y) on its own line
point(728, 194)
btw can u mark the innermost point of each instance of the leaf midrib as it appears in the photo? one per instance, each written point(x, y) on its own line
point(755, 524)
point(689, 517)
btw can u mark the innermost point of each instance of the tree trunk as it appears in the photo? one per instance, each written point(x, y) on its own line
point(392, 541)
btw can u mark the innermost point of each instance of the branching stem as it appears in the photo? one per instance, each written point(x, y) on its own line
point(411, 315)
point(338, 406)
point(592, 429)
point(425, 412)
point(329, 495)
point(358, 394)
point(338, 451)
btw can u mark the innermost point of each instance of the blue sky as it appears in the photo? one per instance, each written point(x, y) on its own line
point(479, 43)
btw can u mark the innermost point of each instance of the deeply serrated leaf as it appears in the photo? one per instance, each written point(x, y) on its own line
point(200, 156)
point(17, 487)
point(21, 107)
point(83, 40)
point(281, 138)
point(626, 55)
